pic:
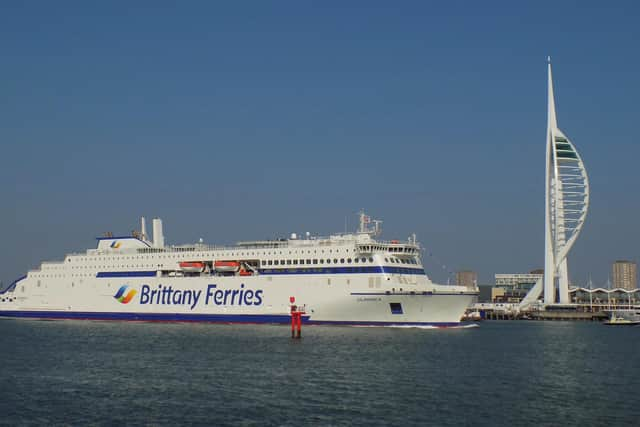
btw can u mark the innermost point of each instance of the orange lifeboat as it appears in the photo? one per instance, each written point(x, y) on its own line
point(244, 272)
point(226, 266)
point(192, 266)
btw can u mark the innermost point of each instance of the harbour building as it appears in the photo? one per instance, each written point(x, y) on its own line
point(512, 288)
point(467, 278)
point(625, 275)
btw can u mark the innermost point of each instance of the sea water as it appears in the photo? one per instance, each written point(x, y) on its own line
point(501, 373)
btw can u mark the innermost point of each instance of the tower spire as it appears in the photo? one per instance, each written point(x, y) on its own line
point(551, 107)
point(566, 206)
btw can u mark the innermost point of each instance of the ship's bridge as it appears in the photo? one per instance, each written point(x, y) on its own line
point(395, 247)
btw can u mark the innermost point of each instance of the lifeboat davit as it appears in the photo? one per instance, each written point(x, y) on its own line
point(192, 266)
point(226, 266)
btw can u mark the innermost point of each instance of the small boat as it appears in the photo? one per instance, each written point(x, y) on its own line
point(623, 318)
point(472, 316)
point(226, 266)
point(192, 266)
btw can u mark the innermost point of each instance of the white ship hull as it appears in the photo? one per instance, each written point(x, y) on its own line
point(346, 300)
point(344, 281)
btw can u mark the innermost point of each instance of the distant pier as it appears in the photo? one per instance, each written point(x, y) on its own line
point(564, 312)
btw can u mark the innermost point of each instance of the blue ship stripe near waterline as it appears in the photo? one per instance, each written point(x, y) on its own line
point(205, 318)
point(161, 317)
point(104, 274)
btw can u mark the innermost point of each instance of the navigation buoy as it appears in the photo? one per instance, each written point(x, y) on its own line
point(296, 318)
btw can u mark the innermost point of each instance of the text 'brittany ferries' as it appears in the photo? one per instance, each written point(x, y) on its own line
point(166, 295)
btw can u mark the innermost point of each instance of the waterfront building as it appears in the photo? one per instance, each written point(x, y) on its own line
point(467, 278)
point(600, 299)
point(512, 288)
point(625, 275)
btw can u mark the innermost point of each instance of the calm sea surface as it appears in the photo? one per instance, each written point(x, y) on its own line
point(499, 374)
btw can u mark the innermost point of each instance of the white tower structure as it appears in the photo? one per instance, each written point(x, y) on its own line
point(566, 203)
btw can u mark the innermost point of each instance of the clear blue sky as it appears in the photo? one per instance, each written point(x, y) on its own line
point(252, 119)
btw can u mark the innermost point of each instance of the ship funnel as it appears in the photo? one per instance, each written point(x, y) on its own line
point(158, 237)
point(143, 229)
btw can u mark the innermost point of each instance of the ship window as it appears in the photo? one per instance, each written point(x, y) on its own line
point(396, 307)
point(357, 260)
point(288, 262)
point(315, 261)
point(308, 261)
point(322, 261)
point(328, 261)
point(270, 262)
point(295, 262)
point(349, 260)
point(363, 259)
point(341, 260)
point(335, 260)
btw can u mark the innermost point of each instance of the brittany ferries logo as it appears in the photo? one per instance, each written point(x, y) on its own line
point(115, 244)
point(123, 296)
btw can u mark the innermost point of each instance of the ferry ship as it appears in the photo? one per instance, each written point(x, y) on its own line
point(350, 278)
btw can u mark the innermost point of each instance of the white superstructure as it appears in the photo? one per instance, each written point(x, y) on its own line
point(346, 278)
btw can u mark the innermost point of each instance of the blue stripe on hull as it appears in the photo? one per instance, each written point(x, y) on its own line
point(290, 271)
point(126, 274)
point(161, 317)
point(206, 318)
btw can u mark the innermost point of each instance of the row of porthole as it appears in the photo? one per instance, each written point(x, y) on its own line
point(114, 266)
point(314, 261)
point(200, 255)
